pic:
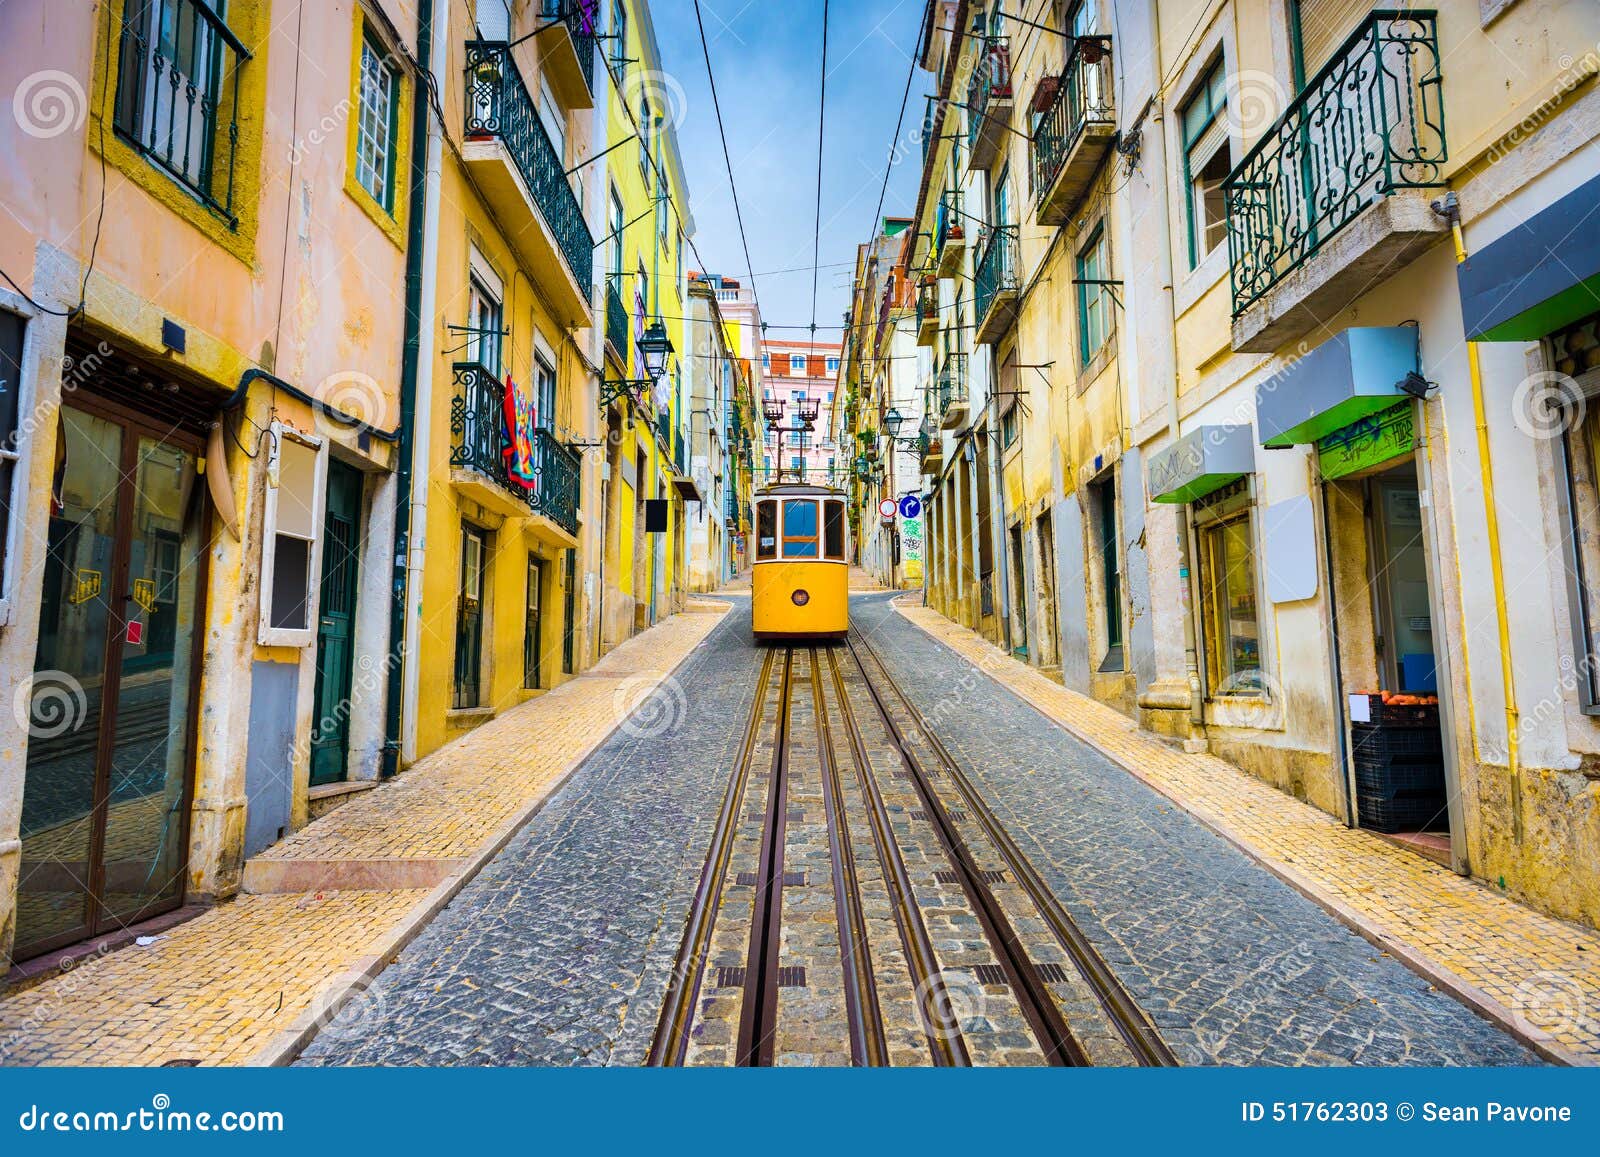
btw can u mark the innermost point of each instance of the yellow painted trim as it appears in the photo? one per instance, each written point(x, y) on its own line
point(247, 19)
point(393, 224)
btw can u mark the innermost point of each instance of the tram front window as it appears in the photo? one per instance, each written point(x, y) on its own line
point(766, 530)
point(800, 538)
point(834, 531)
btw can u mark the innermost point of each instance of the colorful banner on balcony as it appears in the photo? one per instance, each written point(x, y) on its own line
point(521, 419)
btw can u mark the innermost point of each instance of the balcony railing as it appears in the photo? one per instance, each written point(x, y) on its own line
point(617, 328)
point(479, 442)
point(927, 311)
point(582, 18)
point(990, 82)
point(498, 105)
point(930, 126)
point(950, 385)
point(1371, 122)
point(997, 270)
point(1083, 97)
point(178, 75)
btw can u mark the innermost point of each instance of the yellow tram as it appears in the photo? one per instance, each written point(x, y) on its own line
point(800, 580)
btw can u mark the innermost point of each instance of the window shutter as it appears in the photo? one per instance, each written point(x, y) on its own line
point(494, 20)
point(1324, 24)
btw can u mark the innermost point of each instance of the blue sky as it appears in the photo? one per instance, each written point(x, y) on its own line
point(767, 55)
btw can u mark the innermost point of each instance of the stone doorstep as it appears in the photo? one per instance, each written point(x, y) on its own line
point(50, 964)
point(267, 877)
point(1430, 969)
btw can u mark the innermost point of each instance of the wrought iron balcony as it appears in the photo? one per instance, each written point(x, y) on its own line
point(498, 108)
point(617, 320)
point(927, 311)
point(930, 126)
point(479, 444)
point(1075, 130)
point(949, 233)
point(1369, 124)
point(950, 391)
point(178, 69)
point(582, 21)
point(988, 101)
point(994, 293)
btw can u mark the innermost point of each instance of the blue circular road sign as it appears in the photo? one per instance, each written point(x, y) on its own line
point(910, 506)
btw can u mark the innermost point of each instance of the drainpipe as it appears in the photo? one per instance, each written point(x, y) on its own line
point(1450, 209)
point(416, 396)
point(1163, 253)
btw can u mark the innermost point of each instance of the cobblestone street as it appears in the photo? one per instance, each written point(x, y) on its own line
point(568, 945)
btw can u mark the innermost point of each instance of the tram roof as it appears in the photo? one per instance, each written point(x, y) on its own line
point(790, 489)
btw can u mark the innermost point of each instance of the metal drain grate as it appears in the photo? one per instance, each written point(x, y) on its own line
point(795, 816)
point(794, 879)
point(919, 815)
point(994, 877)
point(1051, 973)
point(747, 879)
point(792, 976)
point(730, 977)
point(947, 877)
point(957, 815)
point(990, 973)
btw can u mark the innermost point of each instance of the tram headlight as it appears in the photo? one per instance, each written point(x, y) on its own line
point(800, 598)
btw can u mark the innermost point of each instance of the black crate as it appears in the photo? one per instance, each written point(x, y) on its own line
point(1400, 714)
point(1404, 815)
point(1388, 741)
point(1399, 779)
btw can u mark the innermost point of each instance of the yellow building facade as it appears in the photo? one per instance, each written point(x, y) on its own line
point(201, 326)
point(1237, 323)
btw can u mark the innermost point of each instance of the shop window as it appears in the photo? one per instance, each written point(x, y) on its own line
point(1227, 577)
point(1104, 512)
point(1572, 355)
point(296, 482)
point(1207, 160)
point(12, 329)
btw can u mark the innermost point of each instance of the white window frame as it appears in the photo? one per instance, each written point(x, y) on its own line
point(797, 365)
point(268, 635)
point(22, 456)
point(383, 170)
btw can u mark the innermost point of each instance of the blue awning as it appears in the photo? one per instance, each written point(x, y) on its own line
point(1542, 275)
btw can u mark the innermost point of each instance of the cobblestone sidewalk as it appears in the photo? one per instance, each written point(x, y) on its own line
point(1537, 975)
point(233, 982)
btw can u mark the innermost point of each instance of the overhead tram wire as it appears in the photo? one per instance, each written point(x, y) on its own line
point(727, 160)
point(822, 122)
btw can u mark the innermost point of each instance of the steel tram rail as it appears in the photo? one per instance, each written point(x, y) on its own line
point(758, 1014)
point(868, 1045)
point(672, 1030)
point(1124, 1013)
point(946, 1044)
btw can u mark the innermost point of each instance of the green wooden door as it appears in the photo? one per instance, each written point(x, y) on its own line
point(330, 741)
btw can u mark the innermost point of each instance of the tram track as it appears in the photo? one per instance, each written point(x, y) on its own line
point(1138, 1034)
point(916, 897)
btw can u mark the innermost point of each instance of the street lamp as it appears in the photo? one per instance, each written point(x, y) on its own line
point(655, 347)
point(893, 419)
